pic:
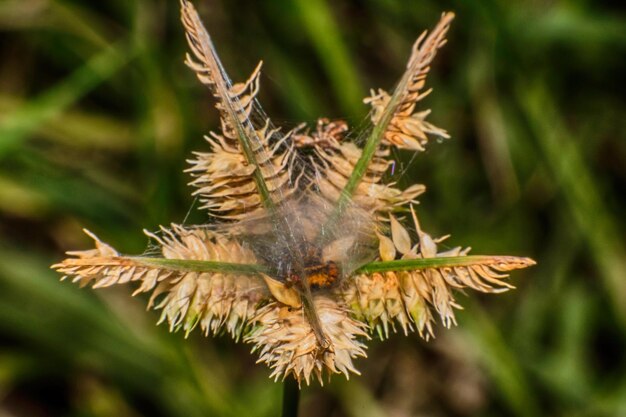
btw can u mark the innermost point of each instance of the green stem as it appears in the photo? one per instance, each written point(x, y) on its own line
point(438, 262)
point(201, 266)
point(371, 145)
point(291, 397)
point(259, 179)
point(378, 266)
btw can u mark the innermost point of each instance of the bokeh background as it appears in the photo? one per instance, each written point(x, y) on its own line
point(98, 114)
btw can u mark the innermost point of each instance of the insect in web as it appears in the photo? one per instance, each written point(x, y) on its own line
point(308, 252)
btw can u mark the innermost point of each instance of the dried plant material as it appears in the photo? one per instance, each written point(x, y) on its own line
point(225, 180)
point(400, 236)
point(243, 155)
point(307, 253)
point(335, 164)
point(407, 128)
point(282, 293)
point(405, 297)
point(327, 133)
point(386, 248)
point(215, 301)
point(286, 342)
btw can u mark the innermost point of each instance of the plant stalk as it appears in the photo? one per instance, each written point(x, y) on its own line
point(377, 266)
point(291, 397)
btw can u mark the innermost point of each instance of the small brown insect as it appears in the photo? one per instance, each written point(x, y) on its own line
point(322, 275)
point(314, 272)
point(317, 275)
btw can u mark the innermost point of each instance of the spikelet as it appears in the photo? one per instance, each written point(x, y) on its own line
point(286, 342)
point(248, 163)
point(335, 161)
point(372, 195)
point(225, 180)
point(409, 129)
point(406, 298)
point(327, 133)
point(215, 301)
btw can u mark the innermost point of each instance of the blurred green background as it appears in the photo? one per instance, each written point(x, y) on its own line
point(98, 114)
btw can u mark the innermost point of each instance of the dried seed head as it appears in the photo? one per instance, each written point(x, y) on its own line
point(405, 298)
point(248, 169)
point(215, 301)
point(335, 164)
point(407, 128)
point(265, 272)
point(285, 341)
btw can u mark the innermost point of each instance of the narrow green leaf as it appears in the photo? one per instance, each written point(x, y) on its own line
point(438, 262)
point(379, 266)
point(202, 266)
point(579, 187)
point(322, 27)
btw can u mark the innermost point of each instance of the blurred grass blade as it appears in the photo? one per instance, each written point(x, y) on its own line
point(561, 150)
point(38, 310)
point(295, 88)
point(318, 21)
point(20, 200)
point(79, 128)
point(22, 122)
point(490, 347)
point(490, 125)
point(357, 400)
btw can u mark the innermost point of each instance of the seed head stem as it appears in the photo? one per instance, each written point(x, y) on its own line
point(291, 397)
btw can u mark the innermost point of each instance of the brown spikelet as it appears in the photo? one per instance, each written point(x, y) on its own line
point(406, 297)
point(225, 181)
point(335, 161)
point(214, 301)
point(327, 133)
point(104, 266)
point(408, 129)
point(285, 341)
point(250, 166)
point(234, 103)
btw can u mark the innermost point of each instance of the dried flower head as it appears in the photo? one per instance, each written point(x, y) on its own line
point(306, 254)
